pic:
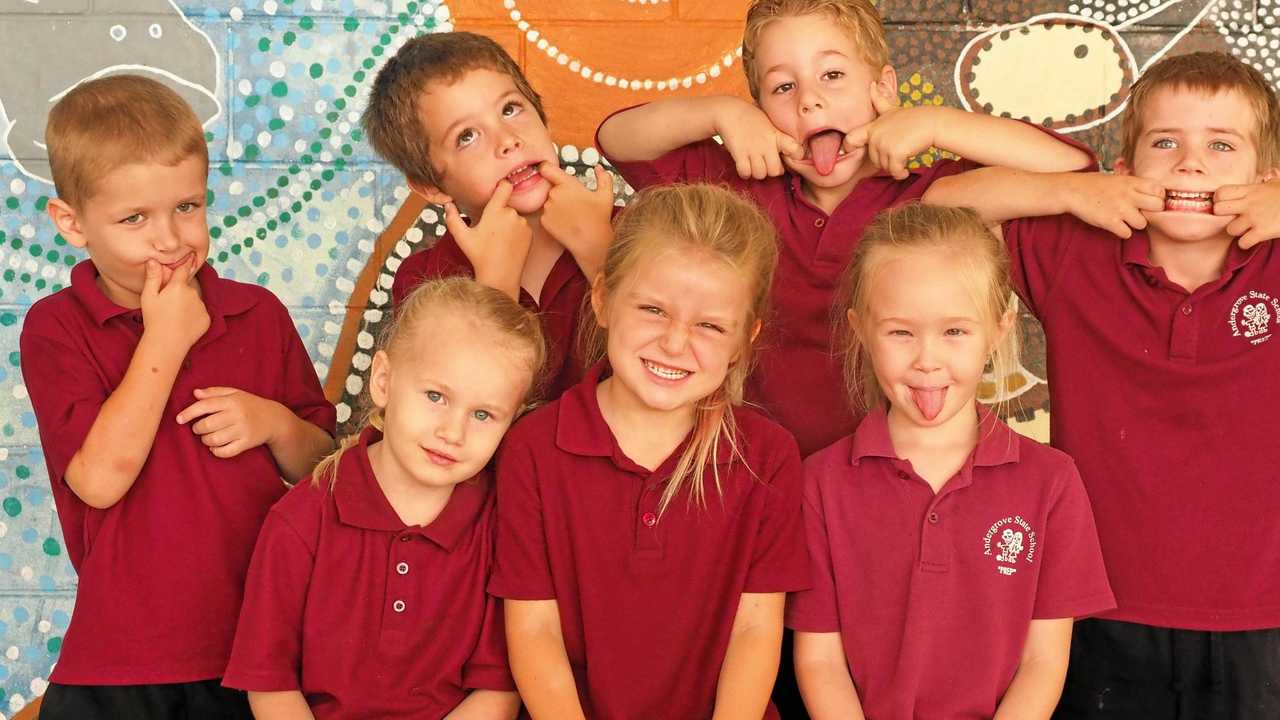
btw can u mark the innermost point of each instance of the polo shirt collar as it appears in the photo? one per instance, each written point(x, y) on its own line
point(582, 430)
point(1136, 250)
point(997, 442)
point(220, 297)
point(795, 183)
point(362, 504)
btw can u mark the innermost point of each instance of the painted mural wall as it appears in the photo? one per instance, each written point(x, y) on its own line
point(300, 204)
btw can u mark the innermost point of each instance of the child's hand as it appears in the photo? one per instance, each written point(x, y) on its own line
point(578, 218)
point(755, 145)
point(896, 135)
point(231, 421)
point(497, 244)
point(171, 307)
point(1257, 211)
point(1114, 203)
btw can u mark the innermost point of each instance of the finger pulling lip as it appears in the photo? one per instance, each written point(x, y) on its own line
point(179, 262)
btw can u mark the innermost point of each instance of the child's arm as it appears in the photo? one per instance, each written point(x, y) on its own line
point(232, 421)
point(898, 134)
point(1256, 207)
point(120, 439)
point(284, 705)
point(1114, 203)
point(823, 675)
point(751, 662)
point(539, 661)
point(487, 705)
point(1037, 684)
point(578, 218)
point(650, 131)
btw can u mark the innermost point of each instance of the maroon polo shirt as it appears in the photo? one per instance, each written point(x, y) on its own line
point(1166, 400)
point(933, 595)
point(559, 306)
point(161, 572)
point(646, 604)
point(368, 617)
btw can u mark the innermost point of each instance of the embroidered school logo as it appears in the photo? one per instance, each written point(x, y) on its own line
point(1009, 539)
point(1254, 316)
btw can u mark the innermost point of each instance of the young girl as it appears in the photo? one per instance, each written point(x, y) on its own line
point(949, 553)
point(648, 525)
point(366, 593)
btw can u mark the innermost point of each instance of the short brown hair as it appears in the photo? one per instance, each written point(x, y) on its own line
point(391, 119)
point(113, 121)
point(1208, 72)
point(859, 17)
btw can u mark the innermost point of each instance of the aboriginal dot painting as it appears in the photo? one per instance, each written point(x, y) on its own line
point(300, 204)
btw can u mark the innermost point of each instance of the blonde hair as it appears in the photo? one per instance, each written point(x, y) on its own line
point(715, 222)
point(858, 17)
point(1210, 73)
point(982, 262)
point(391, 119)
point(453, 297)
point(103, 124)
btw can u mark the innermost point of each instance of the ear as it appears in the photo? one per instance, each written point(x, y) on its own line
point(1006, 324)
point(888, 80)
point(67, 221)
point(597, 300)
point(432, 193)
point(1270, 175)
point(380, 379)
point(755, 330)
point(1122, 167)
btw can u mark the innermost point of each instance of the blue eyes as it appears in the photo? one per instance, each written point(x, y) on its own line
point(434, 396)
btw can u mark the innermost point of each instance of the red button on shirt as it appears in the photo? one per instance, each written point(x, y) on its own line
point(633, 598)
point(934, 620)
point(161, 571)
point(558, 307)
point(1169, 415)
point(798, 378)
point(325, 574)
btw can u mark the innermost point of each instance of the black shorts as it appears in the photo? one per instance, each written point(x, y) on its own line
point(201, 700)
point(1126, 671)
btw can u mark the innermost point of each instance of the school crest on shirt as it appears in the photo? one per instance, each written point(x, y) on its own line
point(1254, 316)
point(1010, 541)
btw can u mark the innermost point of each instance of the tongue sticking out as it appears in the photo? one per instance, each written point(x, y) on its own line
point(824, 149)
point(929, 401)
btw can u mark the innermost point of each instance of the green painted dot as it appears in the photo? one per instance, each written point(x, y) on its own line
point(350, 24)
point(12, 507)
point(54, 644)
point(430, 23)
point(51, 547)
point(282, 181)
point(289, 37)
point(285, 217)
point(356, 134)
point(263, 278)
point(42, 202)
point(8, 319)
point(15, 243)
point(222, 256)
point(306, 23)
point(215, 232)
point(315, 184)
point(316, 70)
point(9, 275)
point(208, 137)
point(327, 175)
point(208, 197)
point(393, 29)
point(340, 103)
point(275, 124)
point(339, 163)
point(230, 221)
point(52, 256)
point(273, 193)
point(251, 152)
point(248, 242)
point(376, 50)
point(235, 249)
point(40, 283)
point(358, 76)
point(316, 147)
point(280, 89)
point(35, 249)
point(11, 203)
point(332, 117)
point(272, 225)
point(294, 169)
point(368, 64)
point(264, 44)
point(346, 150)
point(261, 233)
point(8, 430)
point(225, 169)
point(306, 195)
point(244, 211)
point(23, 472)
point(15, 359)
point(306, 159)
point(411, 7)
point(385, 38)
point(69, 261)
point(25, 277)
point(259, 201)
point(296, 206)
point(252, 100)
point(349, 91)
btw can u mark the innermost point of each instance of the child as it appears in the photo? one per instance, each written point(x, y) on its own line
point(170, 403)
point(823, 150)
point(649, 525)
point(366, 594)
point(456, 115)
point(950, 554)
point(1163, 384)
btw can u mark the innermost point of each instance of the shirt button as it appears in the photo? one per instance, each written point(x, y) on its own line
point(933, 518)
point(1186, 309)
point(819, 222)
point(649, 519)
point(402, 568)
point(1152, 281)
point(903, 475)
point(398, 606)
point(137, 319)
point(404, 538)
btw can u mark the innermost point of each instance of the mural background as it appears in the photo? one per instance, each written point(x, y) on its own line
point(301, 205)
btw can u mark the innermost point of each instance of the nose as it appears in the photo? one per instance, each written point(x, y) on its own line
point(166, 238)
point(675, 339)
point(810, 99)
point(927, 356)
point(453, 427)
point(1190, 161)
point(508, 142)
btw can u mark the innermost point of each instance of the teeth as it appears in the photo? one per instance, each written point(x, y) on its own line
point(521, 173)
point(1186, 195)
point(665, 372)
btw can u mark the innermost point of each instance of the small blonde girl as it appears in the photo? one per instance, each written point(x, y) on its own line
point(649, 525)
point(366, 593)
point(950, 554)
